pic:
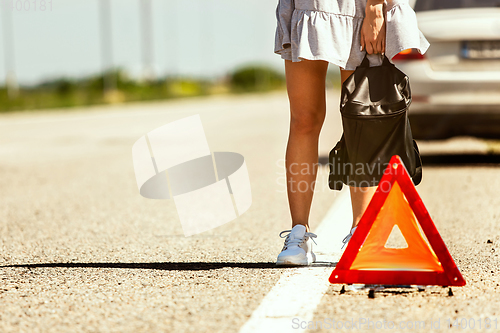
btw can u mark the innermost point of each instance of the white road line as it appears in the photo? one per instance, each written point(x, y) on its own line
point(299, 290)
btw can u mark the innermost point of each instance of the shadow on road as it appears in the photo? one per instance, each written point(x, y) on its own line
point(460, 159)
point(167, 266)
point(448, 160)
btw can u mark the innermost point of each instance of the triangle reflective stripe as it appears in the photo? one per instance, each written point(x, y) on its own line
point(426, 260)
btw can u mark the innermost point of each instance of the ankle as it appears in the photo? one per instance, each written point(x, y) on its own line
point(304, 224)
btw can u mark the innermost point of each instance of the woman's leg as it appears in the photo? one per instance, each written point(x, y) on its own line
point(360, 196)
point(305, 81)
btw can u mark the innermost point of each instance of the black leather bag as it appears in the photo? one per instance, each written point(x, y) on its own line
point(374, 107)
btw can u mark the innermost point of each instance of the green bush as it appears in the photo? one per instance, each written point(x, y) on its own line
point(255, 78)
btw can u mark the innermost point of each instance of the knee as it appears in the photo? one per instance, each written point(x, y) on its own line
point(307, 122)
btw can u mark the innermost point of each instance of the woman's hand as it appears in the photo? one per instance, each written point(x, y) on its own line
point(373, 28)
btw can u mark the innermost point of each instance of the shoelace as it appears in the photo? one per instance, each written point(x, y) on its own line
point(296, 241)
point(346, 240)
point(348, 237)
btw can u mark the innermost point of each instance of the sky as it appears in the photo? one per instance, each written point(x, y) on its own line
point(190, 37)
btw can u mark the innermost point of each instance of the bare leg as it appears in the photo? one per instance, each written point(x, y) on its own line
point(305, 82)
point(360, 196)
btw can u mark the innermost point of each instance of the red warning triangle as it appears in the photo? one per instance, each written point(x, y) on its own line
point(425, 261)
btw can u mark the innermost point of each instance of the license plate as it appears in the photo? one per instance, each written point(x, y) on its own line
point(484, 49)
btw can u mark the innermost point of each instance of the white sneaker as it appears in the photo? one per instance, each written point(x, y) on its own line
point(348, 237)
point(298, 247)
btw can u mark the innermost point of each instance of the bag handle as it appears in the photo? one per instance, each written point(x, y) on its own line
point(366, 62)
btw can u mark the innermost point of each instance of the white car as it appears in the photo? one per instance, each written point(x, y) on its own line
point(456, 84)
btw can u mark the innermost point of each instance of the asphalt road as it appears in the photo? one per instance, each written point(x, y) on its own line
point(82, 251)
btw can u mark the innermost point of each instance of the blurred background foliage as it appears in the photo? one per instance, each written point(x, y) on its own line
point(66, 92)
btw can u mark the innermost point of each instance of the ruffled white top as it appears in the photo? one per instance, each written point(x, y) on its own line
point(330, 30)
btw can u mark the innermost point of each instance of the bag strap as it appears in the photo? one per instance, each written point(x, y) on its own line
point(417, 177)
point(339, 143)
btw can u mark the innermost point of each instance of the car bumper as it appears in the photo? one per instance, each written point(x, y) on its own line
point(451, 91)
